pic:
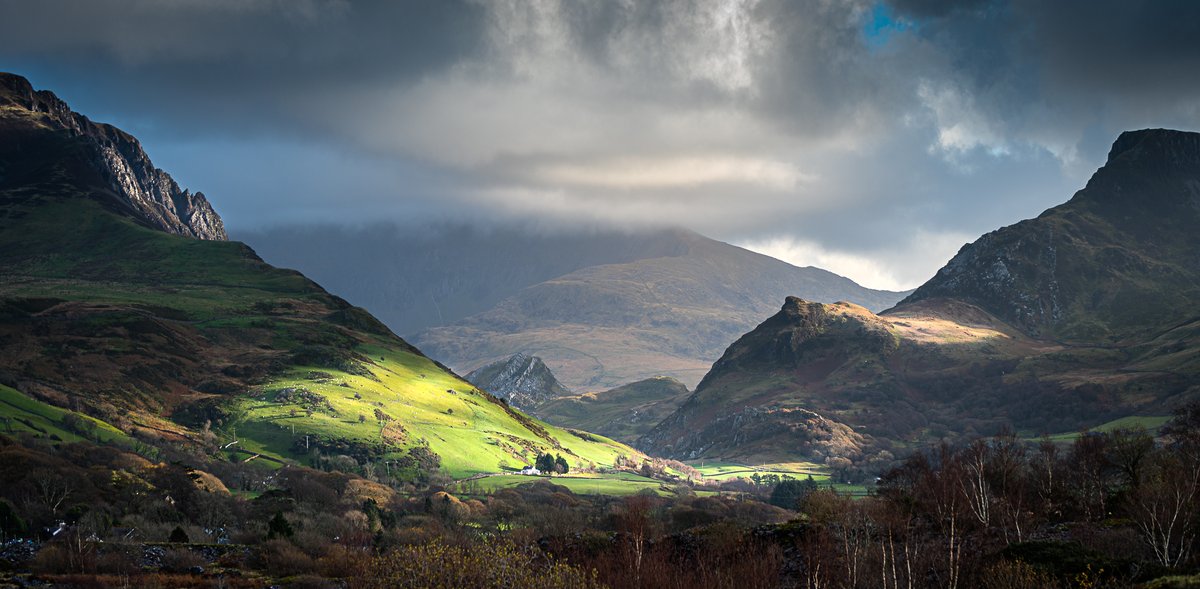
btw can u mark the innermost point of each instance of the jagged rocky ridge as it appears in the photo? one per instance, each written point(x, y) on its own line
point(123, 169)
point(523, 380)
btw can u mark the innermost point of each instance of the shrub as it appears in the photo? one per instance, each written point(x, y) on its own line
point(281, 558)
point(486, 566)
point(181, 560)
point(178, 536)
point(279, 527)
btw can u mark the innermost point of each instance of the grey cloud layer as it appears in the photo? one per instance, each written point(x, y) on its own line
point(873, 135)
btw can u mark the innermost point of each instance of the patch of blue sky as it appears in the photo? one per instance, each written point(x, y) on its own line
point(880, 24)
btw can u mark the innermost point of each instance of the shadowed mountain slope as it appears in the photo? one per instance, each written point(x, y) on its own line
point(418, 277)
point(624, 413)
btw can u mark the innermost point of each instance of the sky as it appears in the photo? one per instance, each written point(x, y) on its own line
point(872, 138)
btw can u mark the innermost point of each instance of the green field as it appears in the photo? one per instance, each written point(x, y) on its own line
point(1150, 423)
point(723, 471)
point(24, 414)
point(580, 484)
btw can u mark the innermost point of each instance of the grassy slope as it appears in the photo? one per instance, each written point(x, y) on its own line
point(72, 250)
point(471, 433)
point(1150, 423)
point(23, 414)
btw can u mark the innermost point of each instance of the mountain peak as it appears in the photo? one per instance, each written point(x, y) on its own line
point(1118, 258)
point(1156, 143)
point(1146, 171)
point(108, 164)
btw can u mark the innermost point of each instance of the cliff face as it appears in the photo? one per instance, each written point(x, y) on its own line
point(118, 170)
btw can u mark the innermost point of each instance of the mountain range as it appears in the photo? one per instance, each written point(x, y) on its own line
point(122, 302)
point(1087, 313)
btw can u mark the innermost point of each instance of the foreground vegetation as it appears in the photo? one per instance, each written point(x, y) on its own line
point(1117, 508)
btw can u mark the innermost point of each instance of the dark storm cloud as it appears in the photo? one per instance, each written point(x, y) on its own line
point(1046, 72)
point(869, 136)
point(234, 63)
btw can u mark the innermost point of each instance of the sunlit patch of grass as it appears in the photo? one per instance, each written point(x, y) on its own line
point(582, 484)
point(1150, 423)
point(425, 405)
point(722, 471)
point(25, 414)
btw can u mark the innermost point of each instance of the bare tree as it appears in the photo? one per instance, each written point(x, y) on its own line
point(941, 493)
point(1163, 505)
point(51, 490)
point(973, 480)
point(635, 521)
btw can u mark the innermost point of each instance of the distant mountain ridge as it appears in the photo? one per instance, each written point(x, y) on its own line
point(418, 277)
point(611, 324)
point(1087, 313)
point(114, 159)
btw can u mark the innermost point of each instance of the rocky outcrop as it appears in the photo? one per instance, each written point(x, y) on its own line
point(756, 401)
point(523, 380)
point(143, 191)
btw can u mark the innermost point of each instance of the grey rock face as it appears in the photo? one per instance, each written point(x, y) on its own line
point(523, 380)
point(149, 194)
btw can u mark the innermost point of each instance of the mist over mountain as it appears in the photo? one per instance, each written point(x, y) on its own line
point(559, 294)
point(416, 277)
